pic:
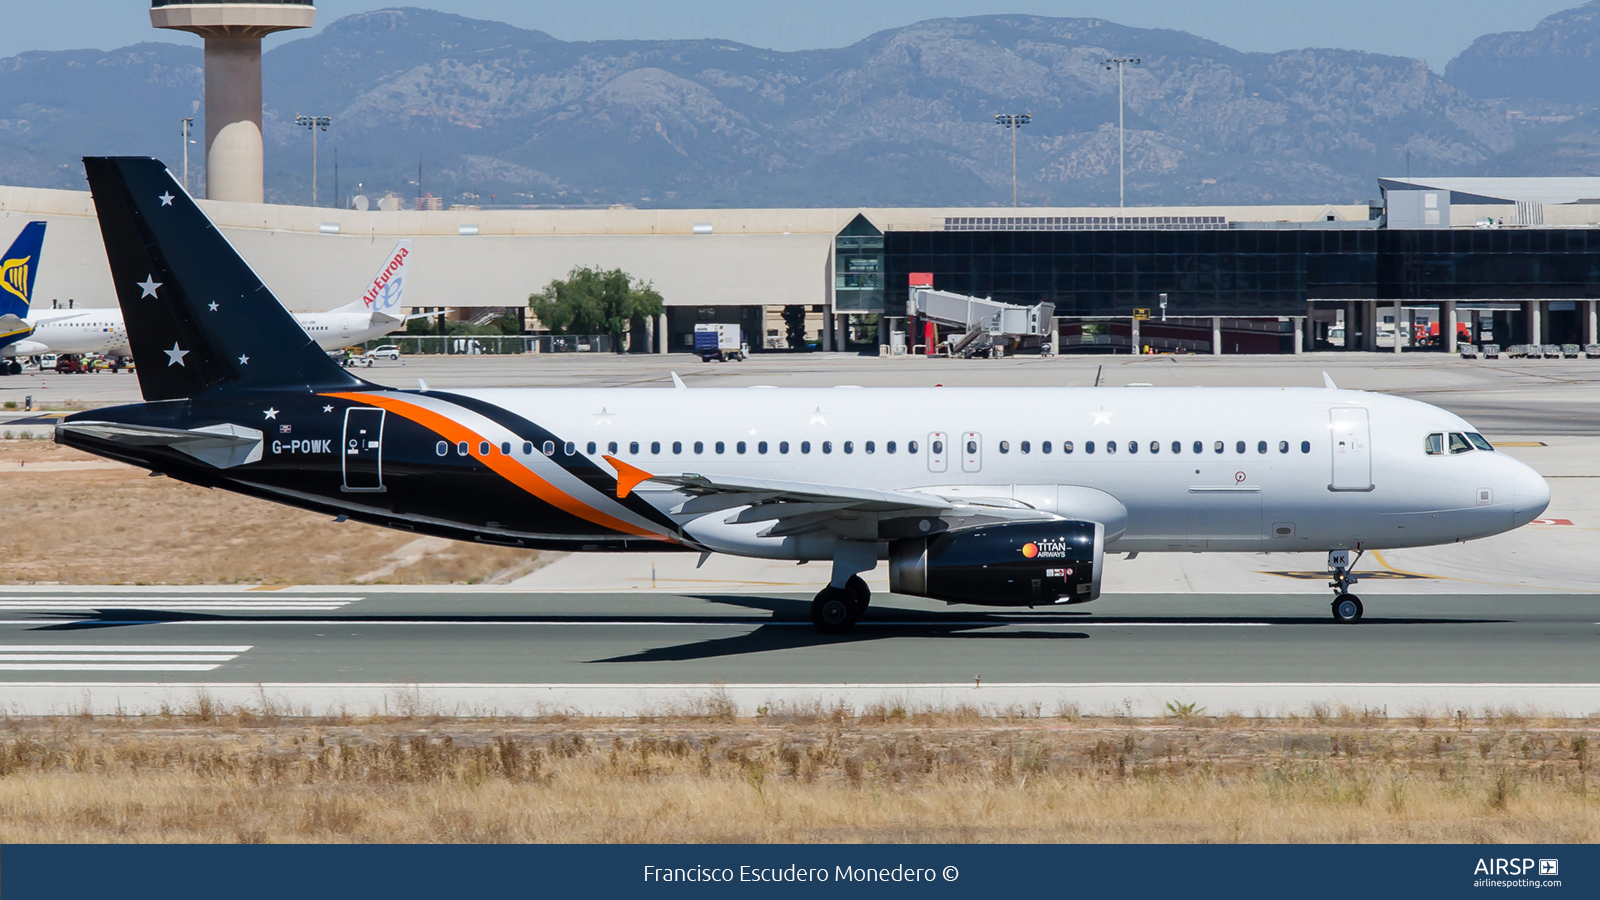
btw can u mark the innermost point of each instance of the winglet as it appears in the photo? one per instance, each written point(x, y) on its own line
point(1327, 382)
point(677, 383)
point(628, 477)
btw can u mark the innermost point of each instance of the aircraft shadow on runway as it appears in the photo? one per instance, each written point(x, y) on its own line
point(885, 622)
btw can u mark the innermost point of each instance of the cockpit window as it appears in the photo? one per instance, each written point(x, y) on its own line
point(1459, 443)
point(1479, 441)
point(1433, 445)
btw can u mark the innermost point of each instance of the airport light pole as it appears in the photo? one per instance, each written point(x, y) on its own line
point(314, 124)
point(1013, 121)
point(188, 125)
point(1122, 145)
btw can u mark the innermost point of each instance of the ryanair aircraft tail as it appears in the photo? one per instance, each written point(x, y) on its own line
point(18, 269)
point(198, 317)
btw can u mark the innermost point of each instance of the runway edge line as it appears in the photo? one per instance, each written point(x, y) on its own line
point(1132, 699)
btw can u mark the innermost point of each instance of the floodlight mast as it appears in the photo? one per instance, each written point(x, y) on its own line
point(314, 124)
point(1122, 145)
point(1013, 121)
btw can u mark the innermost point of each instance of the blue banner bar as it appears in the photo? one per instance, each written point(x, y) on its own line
point(437, 872)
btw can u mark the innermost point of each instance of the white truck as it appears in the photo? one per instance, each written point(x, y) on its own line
point(718, 342)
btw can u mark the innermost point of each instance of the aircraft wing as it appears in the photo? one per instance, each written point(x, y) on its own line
point(796, 507)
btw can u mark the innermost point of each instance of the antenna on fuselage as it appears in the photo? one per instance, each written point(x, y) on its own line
point(1097, 372)
point(1327, 382)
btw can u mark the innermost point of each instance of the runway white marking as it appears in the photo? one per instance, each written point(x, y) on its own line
point(175, 604)
point(117, 657)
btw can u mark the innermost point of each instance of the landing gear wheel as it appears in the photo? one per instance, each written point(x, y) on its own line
point(860, 594)
point(1347, 609)
point(833, 611)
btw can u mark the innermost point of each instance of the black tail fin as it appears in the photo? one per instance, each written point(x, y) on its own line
point(198, 317)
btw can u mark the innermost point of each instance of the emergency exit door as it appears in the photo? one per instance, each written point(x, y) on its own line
point(1352, 449)
point(363, 449)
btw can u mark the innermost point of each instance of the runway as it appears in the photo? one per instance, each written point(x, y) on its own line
point(1508, 622)
point(623, 653)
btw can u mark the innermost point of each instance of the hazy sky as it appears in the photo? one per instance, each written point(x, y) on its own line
point(1435, 30)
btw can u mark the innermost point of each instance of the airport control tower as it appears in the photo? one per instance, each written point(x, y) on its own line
point(233, 33)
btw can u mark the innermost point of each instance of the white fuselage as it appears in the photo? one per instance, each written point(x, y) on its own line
point(101, 331)
point(1303, 481)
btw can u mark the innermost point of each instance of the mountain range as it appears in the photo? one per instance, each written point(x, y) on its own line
point(494, 114)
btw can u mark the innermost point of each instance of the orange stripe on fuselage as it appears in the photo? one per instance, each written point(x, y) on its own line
point(509, 469)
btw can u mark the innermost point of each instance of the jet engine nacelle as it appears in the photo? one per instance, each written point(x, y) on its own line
point(1018, 564)
point(26, 348)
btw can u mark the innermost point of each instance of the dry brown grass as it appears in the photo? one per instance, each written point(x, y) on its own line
point(883, 777)
point(58, 503)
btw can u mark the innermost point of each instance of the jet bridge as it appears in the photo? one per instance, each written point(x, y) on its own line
point(988, 325)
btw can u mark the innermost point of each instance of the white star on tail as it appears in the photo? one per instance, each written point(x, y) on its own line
point(148, 285)
point(175, 355)
point(272, 413)
point(244, 360)
point(213, 306)
point(328, 408)
point(166, 199)
point(1102, 417)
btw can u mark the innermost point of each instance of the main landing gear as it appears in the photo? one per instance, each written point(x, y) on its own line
point(1346, 606)
point(835, 610)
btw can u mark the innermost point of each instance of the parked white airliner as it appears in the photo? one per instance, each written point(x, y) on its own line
point(374, 315)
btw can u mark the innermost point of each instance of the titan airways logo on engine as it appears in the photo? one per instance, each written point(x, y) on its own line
point(1045, 549)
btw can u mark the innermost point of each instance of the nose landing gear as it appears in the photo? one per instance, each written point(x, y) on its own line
point(1346, 606)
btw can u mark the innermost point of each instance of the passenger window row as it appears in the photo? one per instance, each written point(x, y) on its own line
point(1457, 442)
point(1152, 447)
point(760, 447)
point(1435, 444)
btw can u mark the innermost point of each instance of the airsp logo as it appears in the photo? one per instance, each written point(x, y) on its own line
point(1500, 866)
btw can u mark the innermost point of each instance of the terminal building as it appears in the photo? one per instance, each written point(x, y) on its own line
point(1506, 260)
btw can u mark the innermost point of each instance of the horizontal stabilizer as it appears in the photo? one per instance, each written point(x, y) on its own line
point(223, 446)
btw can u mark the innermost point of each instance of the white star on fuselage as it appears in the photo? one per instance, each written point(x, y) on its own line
point(603, 417)
point(213, 306)
point(166, 199)
point(272, 413)
point(148, 285)
point(328, 408)
point(1102, 417)
point(244, 360)
point(175, 355)
point(817, 418)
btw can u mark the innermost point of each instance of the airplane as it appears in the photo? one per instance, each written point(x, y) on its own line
point(990, 496)
point(19, 268)
point(90, 330)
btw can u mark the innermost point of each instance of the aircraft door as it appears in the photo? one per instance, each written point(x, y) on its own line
point(344, 326)
point(363, 449)
point(938, 451)
point(971, 451)
point(1352, 449)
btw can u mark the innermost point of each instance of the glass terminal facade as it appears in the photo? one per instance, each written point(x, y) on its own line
point(1239, 272)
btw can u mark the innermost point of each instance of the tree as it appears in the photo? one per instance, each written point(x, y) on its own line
point(595, 301)
point(794, 322)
